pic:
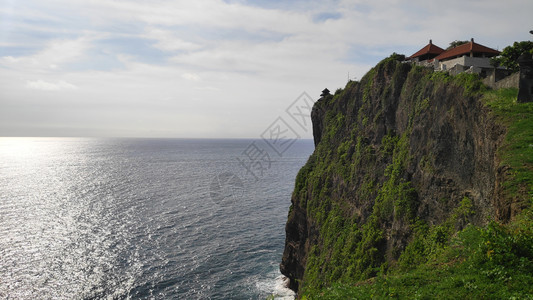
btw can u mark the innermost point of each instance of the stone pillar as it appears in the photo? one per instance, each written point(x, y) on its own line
point(525, 83)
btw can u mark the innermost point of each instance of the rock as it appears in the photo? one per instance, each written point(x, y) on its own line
point(451, 142)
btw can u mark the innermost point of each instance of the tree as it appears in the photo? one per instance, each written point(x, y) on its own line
point(456, 43)
point(510, 54)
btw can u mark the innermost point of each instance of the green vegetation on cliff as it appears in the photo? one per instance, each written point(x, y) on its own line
point(493, 262)
point(517, 150)
point(385, 212)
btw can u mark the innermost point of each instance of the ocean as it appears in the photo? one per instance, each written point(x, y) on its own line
point(88, 218)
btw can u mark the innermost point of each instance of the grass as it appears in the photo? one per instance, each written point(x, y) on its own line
point(517, 150)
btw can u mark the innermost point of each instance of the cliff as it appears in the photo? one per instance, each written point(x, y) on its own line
point(404, 154)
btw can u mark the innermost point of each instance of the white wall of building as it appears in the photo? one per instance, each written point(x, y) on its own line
point(467, 61)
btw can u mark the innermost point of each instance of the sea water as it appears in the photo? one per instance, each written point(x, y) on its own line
point(84, 218)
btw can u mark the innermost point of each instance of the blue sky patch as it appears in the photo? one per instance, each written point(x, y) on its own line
point(140, 48)
point(322, 17)
point(16, 51)
point(97, 60)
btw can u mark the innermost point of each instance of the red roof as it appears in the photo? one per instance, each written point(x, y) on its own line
point(428, 49)
point(466, 49)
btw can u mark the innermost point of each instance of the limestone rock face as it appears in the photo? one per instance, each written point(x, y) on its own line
point(443, 150)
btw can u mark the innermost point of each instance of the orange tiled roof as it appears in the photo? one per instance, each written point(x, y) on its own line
point(466, 49)
point(428, 49)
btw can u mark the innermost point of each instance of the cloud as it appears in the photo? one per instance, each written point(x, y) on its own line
point(53, 55)
point(210, 68)
point(50, 86)
point(167, 41)
point(191, 76)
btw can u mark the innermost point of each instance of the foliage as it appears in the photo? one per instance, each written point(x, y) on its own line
point(394, 57)
point(456, 43)
point(471, 83)
point(429, 241)
point(494, 262)
point(396, 196)
point(510, 54)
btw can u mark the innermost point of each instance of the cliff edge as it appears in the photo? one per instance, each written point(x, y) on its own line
point(400, 154)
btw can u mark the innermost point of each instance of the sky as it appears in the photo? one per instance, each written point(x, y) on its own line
point(211, 68)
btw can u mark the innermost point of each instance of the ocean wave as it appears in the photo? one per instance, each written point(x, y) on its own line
point(277, 287)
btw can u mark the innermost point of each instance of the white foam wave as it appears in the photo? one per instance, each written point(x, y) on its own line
point(277, 287)
point(281, 289)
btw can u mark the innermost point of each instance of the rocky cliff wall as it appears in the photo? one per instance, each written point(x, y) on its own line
point(404, 146)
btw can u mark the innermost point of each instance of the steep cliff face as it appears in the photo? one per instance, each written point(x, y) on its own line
point(404, 146)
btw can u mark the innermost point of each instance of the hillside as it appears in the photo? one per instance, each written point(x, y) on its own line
point(415, 174)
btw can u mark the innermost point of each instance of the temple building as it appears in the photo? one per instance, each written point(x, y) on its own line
point(475, 58)
point(428, 53)
point(469, 57)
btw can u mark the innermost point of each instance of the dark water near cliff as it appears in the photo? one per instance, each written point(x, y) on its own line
point(143, 218)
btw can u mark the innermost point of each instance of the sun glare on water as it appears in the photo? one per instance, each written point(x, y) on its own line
point(11, 148)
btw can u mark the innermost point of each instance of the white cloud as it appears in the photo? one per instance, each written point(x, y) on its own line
point(191, 76)
point(50, 86)
point(56, 53)
point(167, 41)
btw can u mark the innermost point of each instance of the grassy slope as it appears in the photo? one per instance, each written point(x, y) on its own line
point(517, 151)
point(495, 262)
